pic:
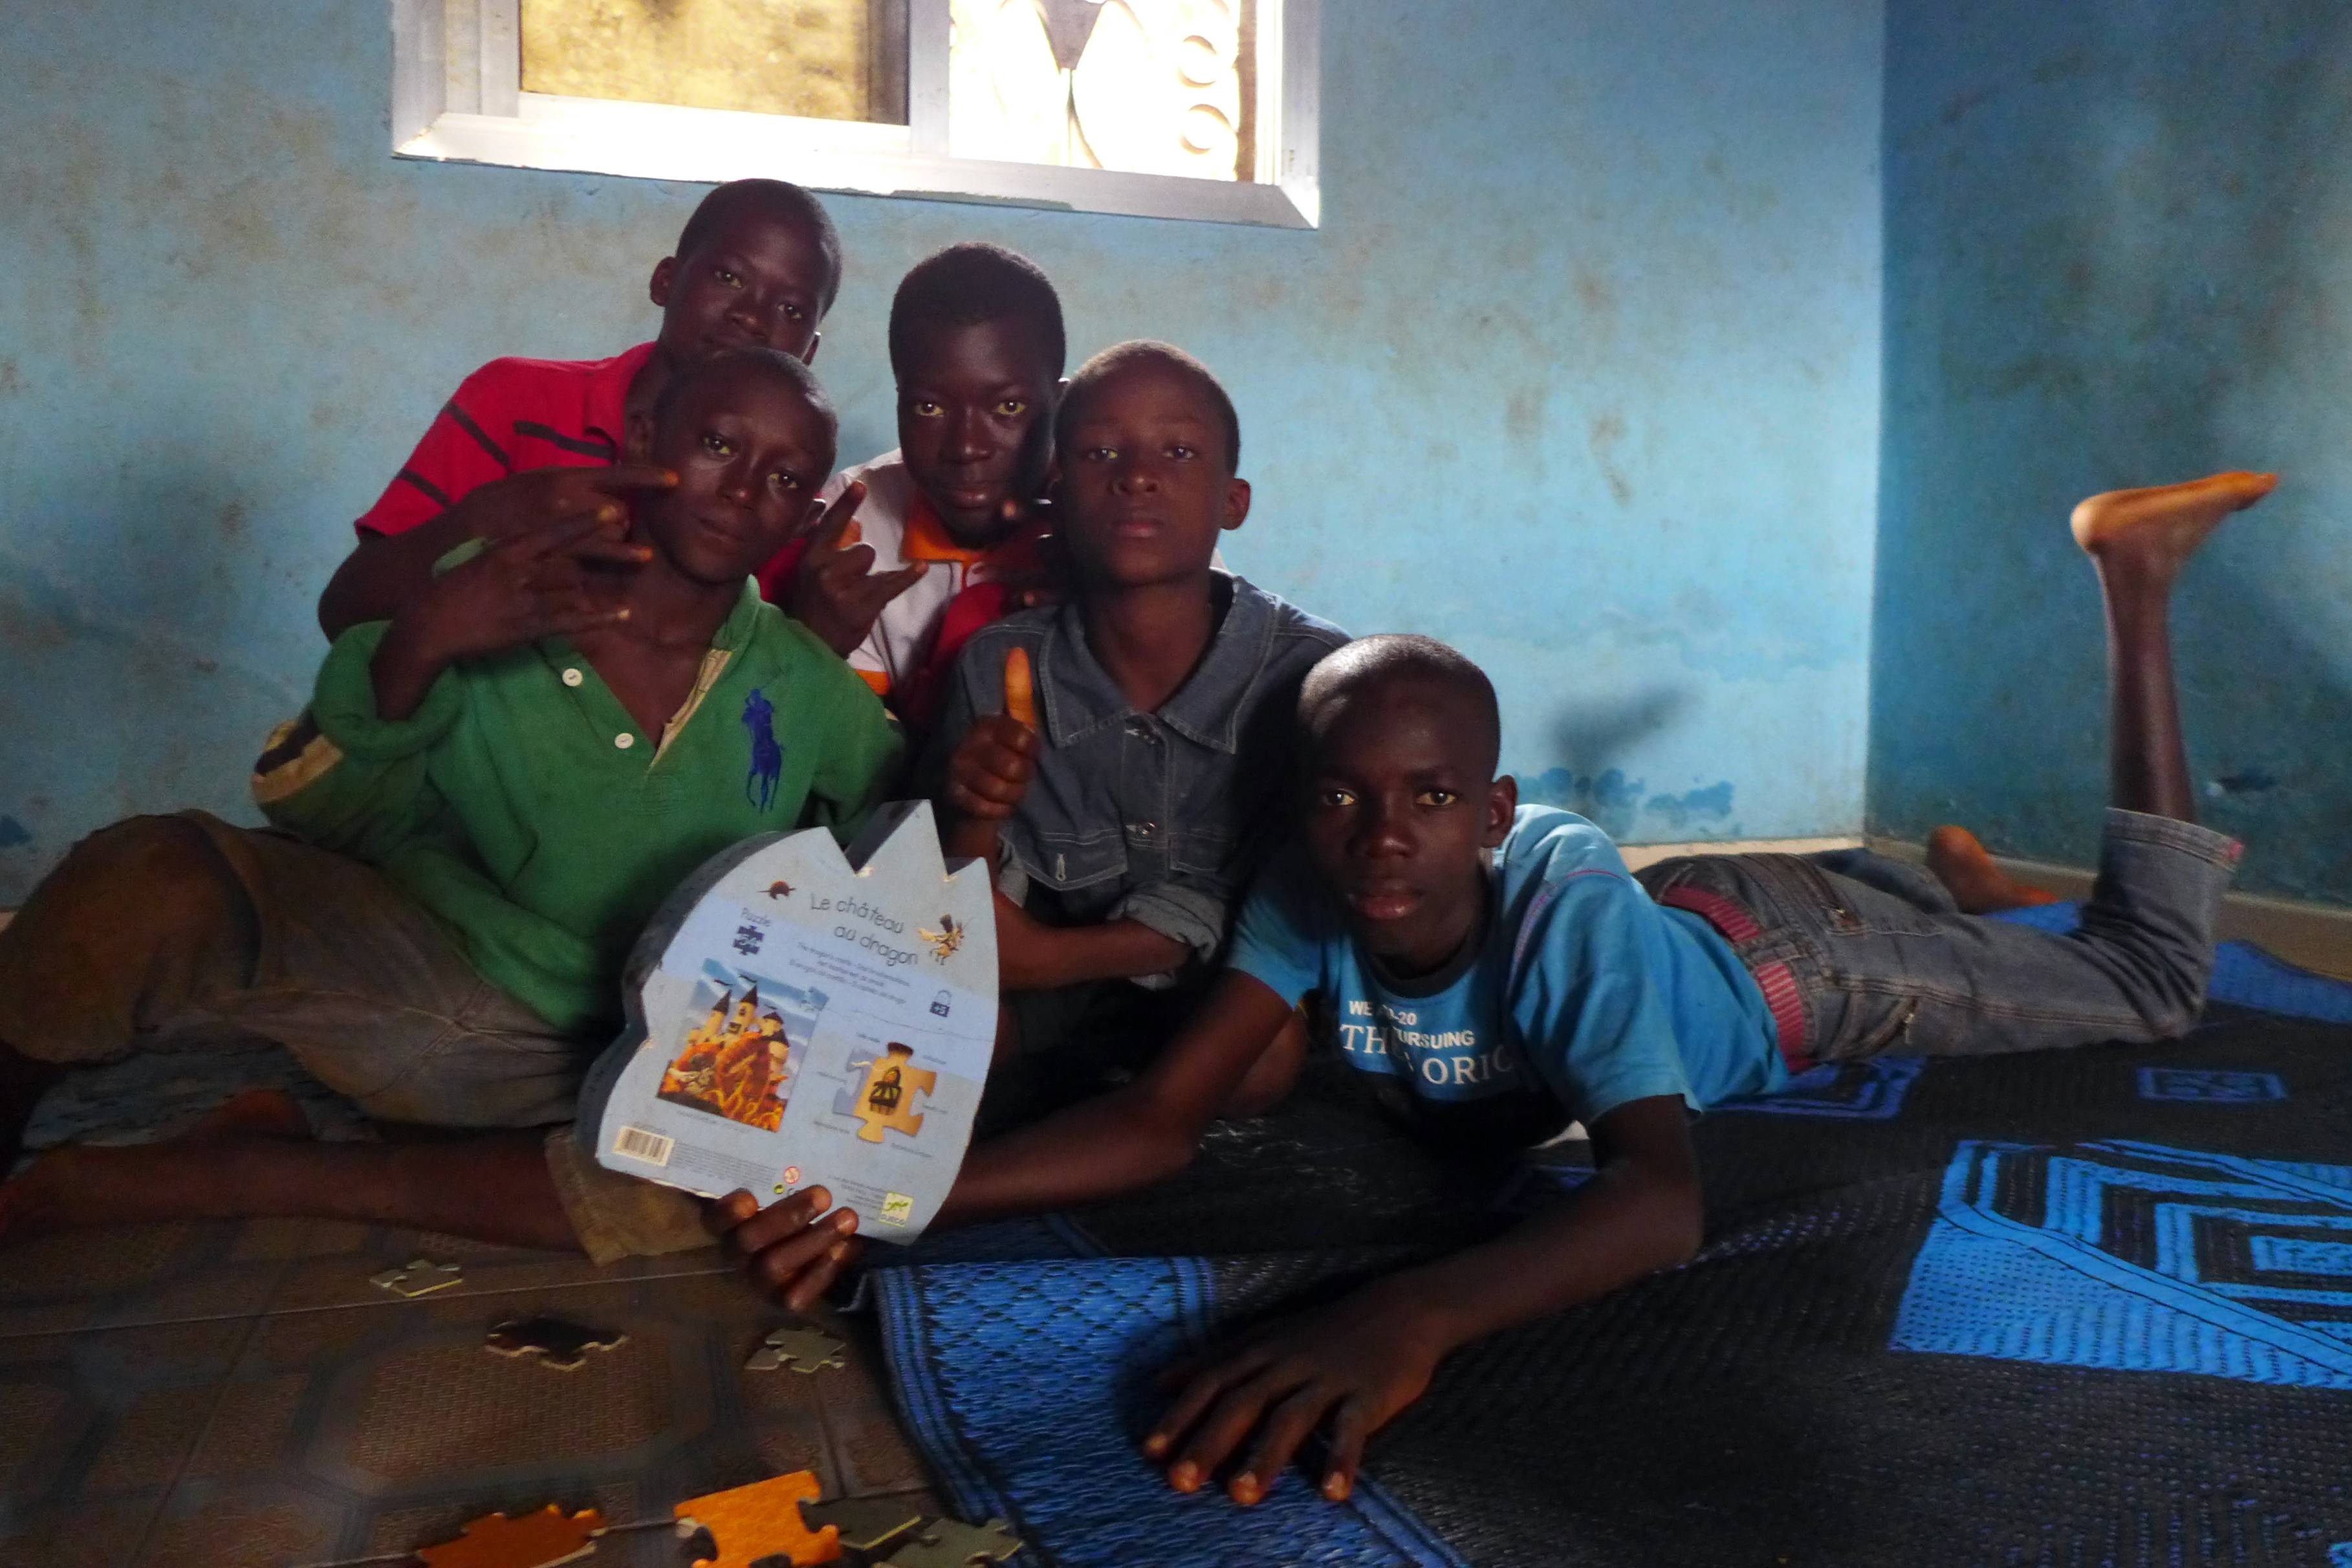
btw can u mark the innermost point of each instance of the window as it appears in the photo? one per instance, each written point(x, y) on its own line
point(1197, 109)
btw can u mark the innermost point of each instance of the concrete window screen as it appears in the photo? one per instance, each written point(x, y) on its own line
point(1151, 86)
point(1183, 108)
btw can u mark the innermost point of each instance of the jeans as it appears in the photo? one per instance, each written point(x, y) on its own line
point(1861, 954)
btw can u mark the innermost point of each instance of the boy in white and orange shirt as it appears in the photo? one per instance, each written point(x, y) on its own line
point(946, 533)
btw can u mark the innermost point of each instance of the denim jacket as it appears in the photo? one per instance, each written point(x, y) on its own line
point(1162, 818)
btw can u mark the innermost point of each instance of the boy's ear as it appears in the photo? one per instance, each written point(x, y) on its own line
point(814, 339)
point(1502, 806)
point(665, 274)
point(1237, 500)
point(638, 436)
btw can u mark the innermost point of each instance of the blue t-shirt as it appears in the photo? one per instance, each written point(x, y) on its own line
point(1583, 994)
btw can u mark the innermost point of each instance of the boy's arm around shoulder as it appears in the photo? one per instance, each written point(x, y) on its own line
point(341, 776)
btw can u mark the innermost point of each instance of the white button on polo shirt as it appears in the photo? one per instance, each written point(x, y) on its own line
point(625, 740)
point(572, 678)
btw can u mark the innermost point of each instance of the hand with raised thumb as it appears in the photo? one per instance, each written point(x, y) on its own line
point(992, 764)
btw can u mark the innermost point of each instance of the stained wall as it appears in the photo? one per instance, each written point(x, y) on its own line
point(2118, 252)
point(1581, 372)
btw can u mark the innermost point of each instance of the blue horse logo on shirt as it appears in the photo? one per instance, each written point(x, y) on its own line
point(767, 752)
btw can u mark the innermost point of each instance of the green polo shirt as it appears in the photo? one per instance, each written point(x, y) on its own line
point(524, 809)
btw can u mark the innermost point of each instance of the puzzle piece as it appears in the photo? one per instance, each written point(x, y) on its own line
point(762, 1519)
point(870, 1525)
point(947, 1543)
point(417, 1277)
point(887, 1097)
point(803, 1350)
point(538, 1540)
point(557, 1343)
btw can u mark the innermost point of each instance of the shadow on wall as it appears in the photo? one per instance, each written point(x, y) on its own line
point(2125, 268)
point(2266, 679)
point(152, 633)
point(1594, 736)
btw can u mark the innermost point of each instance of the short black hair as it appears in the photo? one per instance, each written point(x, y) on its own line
point(974, 283)
point(778, 199)
point(766, 361)
point(1400, 658)
point(1121, 356)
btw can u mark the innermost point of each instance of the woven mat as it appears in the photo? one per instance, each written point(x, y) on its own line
point(2085, 1307)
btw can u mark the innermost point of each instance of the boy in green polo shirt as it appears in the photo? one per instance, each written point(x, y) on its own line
point(486, 800)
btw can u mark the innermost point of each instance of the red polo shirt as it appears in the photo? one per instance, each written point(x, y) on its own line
point(509, 415)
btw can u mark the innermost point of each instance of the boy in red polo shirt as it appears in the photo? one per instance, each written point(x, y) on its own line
point(528, 442)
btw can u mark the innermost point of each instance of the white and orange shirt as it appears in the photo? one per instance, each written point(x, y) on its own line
point(903, 528)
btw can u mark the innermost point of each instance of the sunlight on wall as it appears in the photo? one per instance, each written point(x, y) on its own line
point(824, 59)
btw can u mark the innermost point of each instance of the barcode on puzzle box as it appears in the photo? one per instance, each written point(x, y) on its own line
point(639, 1144)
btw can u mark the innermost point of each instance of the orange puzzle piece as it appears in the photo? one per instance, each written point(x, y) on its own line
point(762, 1519)
point(538, 1540)
point(887, 1097)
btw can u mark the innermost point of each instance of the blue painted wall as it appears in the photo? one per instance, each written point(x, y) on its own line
point(2119, 252)
point(1581, 373)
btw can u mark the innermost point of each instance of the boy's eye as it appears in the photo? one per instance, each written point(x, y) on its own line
point(926, 409)
point(717, 446)
point(1333, 798)
point(1436, 798)
point(794, 312)
point(1180, 452)
point(727, 277)
point(783, 483)
point(1012, 408)
point(1099, 454)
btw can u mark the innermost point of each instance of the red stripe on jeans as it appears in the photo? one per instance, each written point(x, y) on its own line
point(1778, 982)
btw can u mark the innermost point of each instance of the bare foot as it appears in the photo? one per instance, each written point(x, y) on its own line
point(2152, 533)
point(1975, 884)
point(253, 1113)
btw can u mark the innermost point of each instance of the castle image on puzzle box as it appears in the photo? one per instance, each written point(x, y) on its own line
point(737, 1063)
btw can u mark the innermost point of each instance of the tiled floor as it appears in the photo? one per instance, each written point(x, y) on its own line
point(198, 1394)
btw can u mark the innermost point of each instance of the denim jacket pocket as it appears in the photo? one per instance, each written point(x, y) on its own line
point(1069, 861)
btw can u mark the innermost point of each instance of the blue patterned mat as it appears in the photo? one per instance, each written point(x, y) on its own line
point(2083, 1308)
point(2244, 975)
point(1029, 1386)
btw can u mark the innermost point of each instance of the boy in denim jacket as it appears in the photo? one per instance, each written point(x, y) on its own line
point(1129, 820)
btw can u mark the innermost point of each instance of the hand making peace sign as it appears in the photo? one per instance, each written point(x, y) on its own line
point(837, 592)
point(527, 585)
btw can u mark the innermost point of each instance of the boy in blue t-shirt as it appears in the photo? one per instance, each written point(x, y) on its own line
point(1498, 967)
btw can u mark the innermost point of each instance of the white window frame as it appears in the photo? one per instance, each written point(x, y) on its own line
point(456, 96)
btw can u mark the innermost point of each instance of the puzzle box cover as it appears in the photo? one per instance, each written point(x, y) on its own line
point(798, 1017)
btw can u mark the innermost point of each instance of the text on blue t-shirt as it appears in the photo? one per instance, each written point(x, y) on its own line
point(1581, 990)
